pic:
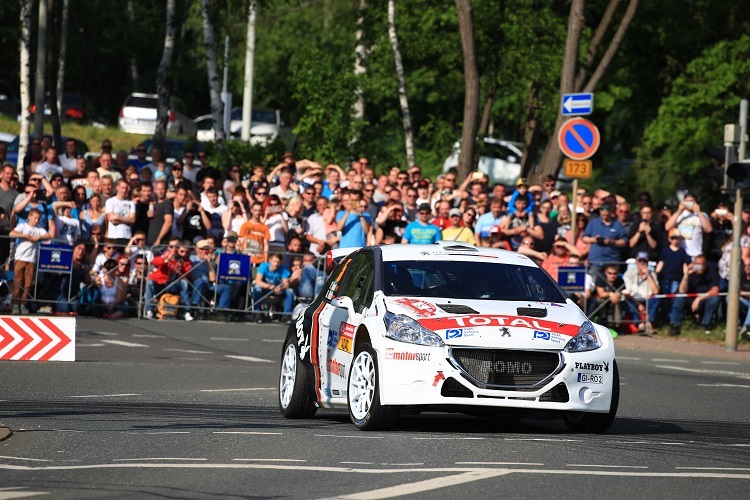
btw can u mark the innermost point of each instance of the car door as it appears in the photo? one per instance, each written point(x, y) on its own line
point(341, 324)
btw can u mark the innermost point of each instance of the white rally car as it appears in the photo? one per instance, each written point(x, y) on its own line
point(446, 327)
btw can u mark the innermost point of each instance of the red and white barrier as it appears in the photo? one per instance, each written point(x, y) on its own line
point(683, 295)
point(33, 338)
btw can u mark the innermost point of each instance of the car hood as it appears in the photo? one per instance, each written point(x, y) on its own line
point(487, 323)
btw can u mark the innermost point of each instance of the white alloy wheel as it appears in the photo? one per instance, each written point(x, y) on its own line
point(362, 385)
point(288, 375)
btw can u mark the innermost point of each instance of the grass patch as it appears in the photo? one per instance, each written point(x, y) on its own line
point(92, 136)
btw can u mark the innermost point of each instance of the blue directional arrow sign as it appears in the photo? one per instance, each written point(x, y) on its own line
point(577, 104)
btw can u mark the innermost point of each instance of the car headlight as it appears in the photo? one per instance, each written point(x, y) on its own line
point(586, 340)
point(405, 329)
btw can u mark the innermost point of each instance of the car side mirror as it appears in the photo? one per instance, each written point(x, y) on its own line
point(343, 303)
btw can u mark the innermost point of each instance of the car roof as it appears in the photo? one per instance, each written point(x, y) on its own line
point(444, 250)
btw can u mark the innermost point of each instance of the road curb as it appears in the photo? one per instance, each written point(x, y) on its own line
point(682, 346)
point(5, 432)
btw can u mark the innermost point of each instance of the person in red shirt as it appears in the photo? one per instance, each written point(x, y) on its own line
point(170, 274)
point(560, 256)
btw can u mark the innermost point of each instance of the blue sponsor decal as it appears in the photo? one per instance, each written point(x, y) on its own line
point(541, 335)
point(333, 338)
point(454, 334)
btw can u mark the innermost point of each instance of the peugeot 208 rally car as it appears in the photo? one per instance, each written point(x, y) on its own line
point(447, 327)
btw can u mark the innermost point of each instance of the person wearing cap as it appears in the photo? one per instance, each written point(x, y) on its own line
point(203, 274)
point(672, 266)
point(457, 231)
point(607, 237)
point(692, 223)
point(641, 284)
point(421, 231)
point(522, 190)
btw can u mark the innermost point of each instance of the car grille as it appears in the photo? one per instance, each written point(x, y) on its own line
point(507, 369)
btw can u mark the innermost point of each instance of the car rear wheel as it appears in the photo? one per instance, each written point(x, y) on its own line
point(365, 409)
point(296, 398)
point(578, 421)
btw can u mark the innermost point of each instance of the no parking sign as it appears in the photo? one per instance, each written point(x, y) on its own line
point(578, 138)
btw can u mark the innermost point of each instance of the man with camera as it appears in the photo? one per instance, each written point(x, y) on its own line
point(353, 221)
point(692, 223)
point(607, 237)
point(170, 275)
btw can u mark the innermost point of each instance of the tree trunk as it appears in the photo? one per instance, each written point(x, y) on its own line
point(588, 61)
point(402, 97)
point(247, 93)
point(52, 66)
point(63, 54)
point(162, 114)
point(552, 158)
point(466, 160)
point(214, 87)
point(133, 62)
point(360, 54)
point(531, 130)
point(41, 65)
point(27, 6)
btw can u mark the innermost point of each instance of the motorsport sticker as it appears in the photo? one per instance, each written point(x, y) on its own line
point(336, 368)
point(445, 323)
point(593, 367)
point(551, 336)
point(419, 307)
point(391, 354)
point(345, 337)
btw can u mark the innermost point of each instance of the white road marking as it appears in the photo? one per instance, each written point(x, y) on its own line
point(148, 336)
point(708, 372)
point(498, 463)
point(104, 395)
point(163, 432)
point(627, 442)
point(736, 444)
point(629, 358)
point(724, 385)
point(674, 444)
point(273, 340)
point(8, 493)
point(111, 334)
point(268, 460)
point(449, 438)
point(407, 465)
point(732, 363)
point(249, 358)
point(357, 463)
point(667, 360)
point(250, 432)
point(608, 466)
point(89, 345)
point(542, 439)
point(24, 458)
point(123, 343)
point(426, 485)
point(158, 458)
point(229, 339)
point(714, 468)
point(240, 389)
point(348, 437)
point(188, 351)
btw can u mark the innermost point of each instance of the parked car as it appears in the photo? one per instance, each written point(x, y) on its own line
point(74, 107)
point(499, 159)
point(10, 104)
point(12, 154)
point(446, 327)
point(175, 149)
point(138, 116)
point(266, 125)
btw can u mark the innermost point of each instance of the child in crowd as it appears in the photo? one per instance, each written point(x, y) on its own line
point(25, 256)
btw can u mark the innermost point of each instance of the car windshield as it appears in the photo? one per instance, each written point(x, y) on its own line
point(469, 280)
point(141, 102)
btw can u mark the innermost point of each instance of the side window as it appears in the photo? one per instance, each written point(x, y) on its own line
point(333, 284)
point(358, 277)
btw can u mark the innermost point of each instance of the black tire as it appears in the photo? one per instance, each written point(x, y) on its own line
point(363, 394)
point(296, 395)
point(597, 423)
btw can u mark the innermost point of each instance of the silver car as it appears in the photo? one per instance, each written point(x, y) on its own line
point(138, 116)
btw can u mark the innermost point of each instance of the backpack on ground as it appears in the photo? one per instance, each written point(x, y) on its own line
point(168, 306)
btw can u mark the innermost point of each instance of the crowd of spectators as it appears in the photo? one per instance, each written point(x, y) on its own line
point(141, 228)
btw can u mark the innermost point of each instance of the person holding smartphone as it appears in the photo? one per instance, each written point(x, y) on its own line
point(692, 223)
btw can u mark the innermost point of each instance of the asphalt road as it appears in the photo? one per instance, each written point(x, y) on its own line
point(188, 410)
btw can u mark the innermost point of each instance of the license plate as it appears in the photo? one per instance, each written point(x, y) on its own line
point(590, 378)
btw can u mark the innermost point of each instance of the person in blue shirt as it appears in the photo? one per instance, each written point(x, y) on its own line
point(354, 221)
point(607, 236)
point(271, 282)
point(522, 190)
point(421, 232)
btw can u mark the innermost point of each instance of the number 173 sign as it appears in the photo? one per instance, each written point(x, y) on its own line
point(577, 169)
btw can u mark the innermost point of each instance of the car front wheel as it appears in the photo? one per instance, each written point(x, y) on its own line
point(596, 422)
point(365, 409)
point(296, 398)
